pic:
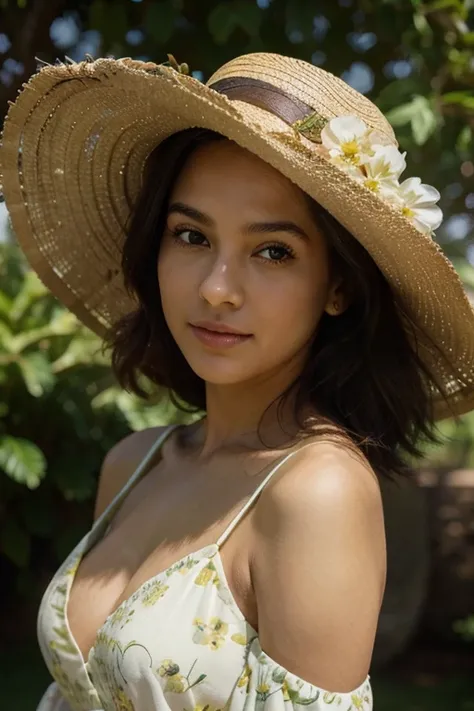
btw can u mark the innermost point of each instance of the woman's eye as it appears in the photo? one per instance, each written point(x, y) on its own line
point(191, 237)
point(276, 253)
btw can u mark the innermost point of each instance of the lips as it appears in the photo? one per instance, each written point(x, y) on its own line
point(218, 339)
point(215, 327)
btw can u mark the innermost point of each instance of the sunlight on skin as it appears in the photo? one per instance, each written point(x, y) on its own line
point(223, 259)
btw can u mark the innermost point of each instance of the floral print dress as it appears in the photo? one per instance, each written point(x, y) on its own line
point(179, 643)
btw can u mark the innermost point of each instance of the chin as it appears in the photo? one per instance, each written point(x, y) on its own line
point(220, 373)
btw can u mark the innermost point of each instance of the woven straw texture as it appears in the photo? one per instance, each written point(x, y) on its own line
point(74, 147)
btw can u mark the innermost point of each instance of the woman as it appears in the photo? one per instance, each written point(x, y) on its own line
point(247, 245)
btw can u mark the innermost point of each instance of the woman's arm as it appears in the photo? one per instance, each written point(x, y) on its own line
point(319, 567)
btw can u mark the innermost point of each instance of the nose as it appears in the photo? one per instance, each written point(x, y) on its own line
point(221, 285)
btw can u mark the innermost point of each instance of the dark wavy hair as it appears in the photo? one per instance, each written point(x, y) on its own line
point(363, 375)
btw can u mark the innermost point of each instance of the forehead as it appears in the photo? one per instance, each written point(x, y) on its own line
point(223, 172)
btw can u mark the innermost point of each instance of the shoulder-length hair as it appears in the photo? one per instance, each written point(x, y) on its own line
point(362, 374)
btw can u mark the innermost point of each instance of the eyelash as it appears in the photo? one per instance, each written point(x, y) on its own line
point(290, 253)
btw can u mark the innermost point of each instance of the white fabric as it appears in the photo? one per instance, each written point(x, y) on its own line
point(179, 643)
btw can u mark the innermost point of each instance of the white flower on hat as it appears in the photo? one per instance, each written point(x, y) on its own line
point(348, 140)
point(383, 168)
point(344, 137)
point(371, 158)
point(418, 204)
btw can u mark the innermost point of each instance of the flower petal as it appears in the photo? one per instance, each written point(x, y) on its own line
point(376, 138)
point(373, 159)
point(386, 162)
point(342, 129)
point(410, 184)
point(417, 194)
point(430, 217)
point(409, 190)
point(429, 195)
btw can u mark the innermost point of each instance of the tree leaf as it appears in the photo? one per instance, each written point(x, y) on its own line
point(37, 373)
point(31, 290)
point(422, 25)
point(83, 350)
point(5, 305)
point(403, 114)
point(468, 38)
point(15, 542)
point(424, 121)
point(419, 113)
point(464, 140)
point(400, 92)
point(464, 98)
point(436, 5)
point(7, 339)
point(22, 461)
point(64, 323)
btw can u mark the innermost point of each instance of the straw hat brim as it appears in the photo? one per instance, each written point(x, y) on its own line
point(74, 147)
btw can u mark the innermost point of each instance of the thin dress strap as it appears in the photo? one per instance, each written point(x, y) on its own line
point(139, 471)
point(254, 496)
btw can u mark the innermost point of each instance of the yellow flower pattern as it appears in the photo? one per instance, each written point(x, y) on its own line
point(121, 616)
point(244, 679)
point(259, 675)
point(285, 691)
point(152, 592)
point(122, 702)
point(175, 681)
point(212, 634)
point(182, 637)
point(182, 566)
point(239, 638)
point(207, 575)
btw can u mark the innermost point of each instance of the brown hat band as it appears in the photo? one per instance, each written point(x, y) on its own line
point(264, 96)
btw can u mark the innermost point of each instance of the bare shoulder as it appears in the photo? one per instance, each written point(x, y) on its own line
point(319, 565)
point(119, 464)
point(322, 474)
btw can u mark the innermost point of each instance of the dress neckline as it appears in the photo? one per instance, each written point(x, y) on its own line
point(207, 552)
point(213, 549)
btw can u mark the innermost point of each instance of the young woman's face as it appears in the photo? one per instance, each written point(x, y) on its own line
point(241, 251)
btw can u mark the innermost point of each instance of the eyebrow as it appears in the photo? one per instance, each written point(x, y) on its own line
point(253, 228)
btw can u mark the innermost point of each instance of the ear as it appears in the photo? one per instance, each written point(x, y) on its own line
point(337, 299)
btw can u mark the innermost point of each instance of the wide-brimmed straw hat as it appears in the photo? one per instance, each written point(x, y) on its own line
point(75, 144)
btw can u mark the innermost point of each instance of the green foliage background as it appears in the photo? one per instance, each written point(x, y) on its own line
point(60, 410)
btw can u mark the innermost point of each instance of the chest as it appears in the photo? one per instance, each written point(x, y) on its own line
point(168, 515)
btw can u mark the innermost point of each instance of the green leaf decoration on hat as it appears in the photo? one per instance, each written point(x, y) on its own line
point(311, 126)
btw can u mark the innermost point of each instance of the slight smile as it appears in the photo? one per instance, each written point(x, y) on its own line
point(217, 335)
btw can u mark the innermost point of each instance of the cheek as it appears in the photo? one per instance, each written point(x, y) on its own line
point(172, 286)
point(294, 308)
point(173, 277)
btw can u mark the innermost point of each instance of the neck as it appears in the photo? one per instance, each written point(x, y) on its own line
point(246, 417)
